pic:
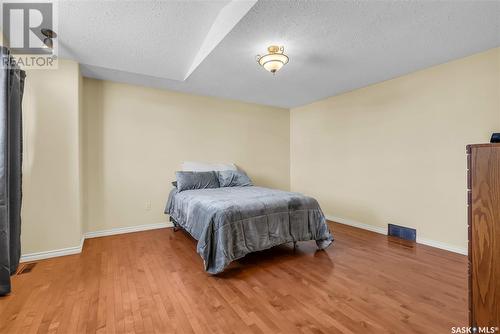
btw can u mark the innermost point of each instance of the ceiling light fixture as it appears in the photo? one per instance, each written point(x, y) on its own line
point(274, 60)
point(49, 36)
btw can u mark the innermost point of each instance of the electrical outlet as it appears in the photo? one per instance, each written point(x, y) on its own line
point(148, 205)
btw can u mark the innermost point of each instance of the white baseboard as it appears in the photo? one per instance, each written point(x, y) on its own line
point(383, 230)
point(88, 235)
point(354, 223)
point(122, 230)
point(442, 245)
point(52, 253)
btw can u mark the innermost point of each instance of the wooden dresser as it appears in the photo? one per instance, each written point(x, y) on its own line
point(483, 182)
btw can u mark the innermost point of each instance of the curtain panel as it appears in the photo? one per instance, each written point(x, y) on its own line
point(11, 95)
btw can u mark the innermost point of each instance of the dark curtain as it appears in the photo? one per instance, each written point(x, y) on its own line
point(11, 95)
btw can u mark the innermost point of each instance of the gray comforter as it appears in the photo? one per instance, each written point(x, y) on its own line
point(231, 222)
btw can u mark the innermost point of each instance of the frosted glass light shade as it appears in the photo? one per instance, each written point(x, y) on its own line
point(273, 62)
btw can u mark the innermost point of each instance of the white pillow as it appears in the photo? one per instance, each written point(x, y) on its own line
point(190, 166)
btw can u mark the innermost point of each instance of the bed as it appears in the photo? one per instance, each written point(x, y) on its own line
point(231, 221)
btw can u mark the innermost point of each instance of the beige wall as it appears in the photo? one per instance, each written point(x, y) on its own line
point(394, 152)
point(51, 185)
point(135, 138)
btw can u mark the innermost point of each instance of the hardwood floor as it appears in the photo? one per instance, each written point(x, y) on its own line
point(153, 282)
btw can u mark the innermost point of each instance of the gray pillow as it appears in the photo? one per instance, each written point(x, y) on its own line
point(233, 178)
point(196, 180)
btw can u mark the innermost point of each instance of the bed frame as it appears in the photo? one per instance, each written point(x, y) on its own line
point(177, 227)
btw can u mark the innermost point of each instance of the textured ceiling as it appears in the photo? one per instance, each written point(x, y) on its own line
point(155, 38)
point(334, 46)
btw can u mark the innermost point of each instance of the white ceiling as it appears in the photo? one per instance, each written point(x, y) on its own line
point(334, 46)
